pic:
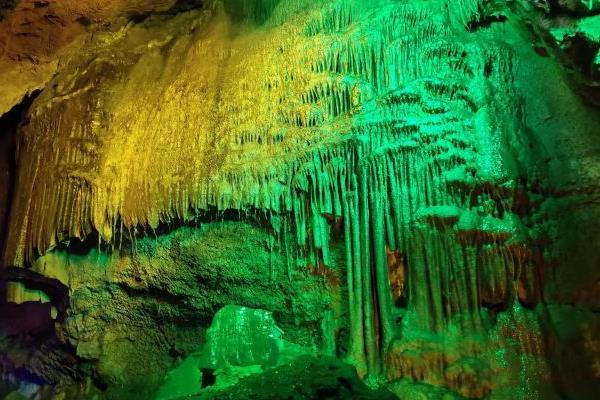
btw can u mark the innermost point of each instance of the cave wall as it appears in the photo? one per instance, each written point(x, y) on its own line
point(424, 173)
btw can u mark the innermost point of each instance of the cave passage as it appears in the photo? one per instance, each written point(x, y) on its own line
point(299, 199)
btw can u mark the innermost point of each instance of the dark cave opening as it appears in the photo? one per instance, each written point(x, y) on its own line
point(9, 127)
point(582, 52)
point(485, 22)
point(208, 377)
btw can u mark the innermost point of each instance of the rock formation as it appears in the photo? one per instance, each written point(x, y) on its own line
point(410, 187)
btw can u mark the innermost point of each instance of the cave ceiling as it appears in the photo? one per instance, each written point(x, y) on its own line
point(417, 181)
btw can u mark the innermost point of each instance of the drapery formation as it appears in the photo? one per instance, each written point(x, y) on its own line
point(388, 115)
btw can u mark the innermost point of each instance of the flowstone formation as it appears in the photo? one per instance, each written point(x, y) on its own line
point(390, 183)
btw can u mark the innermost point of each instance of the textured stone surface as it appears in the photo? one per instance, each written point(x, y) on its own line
point(410, 186)
point(305, 378)
point(242, 336)
point(581, 6)
point(34, 33)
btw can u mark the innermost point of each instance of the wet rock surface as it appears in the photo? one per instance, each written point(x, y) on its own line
point(411, 187)
point(304, 378)
point(128, 322)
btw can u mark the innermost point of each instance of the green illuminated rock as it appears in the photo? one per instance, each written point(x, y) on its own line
point(300, 199)
point(304, 378)
point(241, 341)
point(241, 336)
point(183, 381)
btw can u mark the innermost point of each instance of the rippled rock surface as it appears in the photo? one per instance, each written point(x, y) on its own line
point(408, 186)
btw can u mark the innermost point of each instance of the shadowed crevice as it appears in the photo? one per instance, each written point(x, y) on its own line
point(9, 128)
point(6, 6)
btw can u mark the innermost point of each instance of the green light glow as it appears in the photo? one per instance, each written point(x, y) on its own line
point(316, 185)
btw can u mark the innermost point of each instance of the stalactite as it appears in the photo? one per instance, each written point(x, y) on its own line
point(384, 114)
